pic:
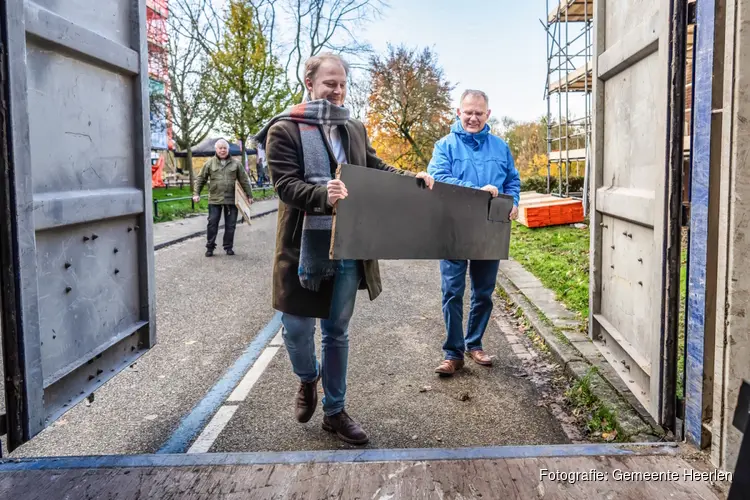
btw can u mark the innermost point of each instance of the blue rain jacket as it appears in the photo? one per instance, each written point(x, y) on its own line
point(475, 160)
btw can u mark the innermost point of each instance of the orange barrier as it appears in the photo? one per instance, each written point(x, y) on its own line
point(157, 173)
point(539, 210)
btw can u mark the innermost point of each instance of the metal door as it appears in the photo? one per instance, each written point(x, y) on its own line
point(77, 251)
point(635, 194)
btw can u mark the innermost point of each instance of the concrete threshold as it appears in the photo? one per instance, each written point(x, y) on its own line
point(341, 456)
point(560, 330)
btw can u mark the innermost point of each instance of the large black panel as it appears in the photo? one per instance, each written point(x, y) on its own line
point(389, 216)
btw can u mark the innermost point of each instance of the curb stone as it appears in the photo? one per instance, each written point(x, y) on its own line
point(577, 355)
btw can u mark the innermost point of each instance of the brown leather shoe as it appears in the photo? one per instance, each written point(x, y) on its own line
point(345, 428)
point(480, 357)
point(307, 400)
point(449, 366)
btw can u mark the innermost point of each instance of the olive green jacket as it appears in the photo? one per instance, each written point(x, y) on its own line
point(221, 176)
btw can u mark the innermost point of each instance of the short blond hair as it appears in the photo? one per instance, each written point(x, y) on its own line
point(313, 64)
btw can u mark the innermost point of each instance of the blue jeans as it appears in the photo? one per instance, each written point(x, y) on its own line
point(299, 338)
point(483, 274)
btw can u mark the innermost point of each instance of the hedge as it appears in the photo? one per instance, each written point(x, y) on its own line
point(539, 184)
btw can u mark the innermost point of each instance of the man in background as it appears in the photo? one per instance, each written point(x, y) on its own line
point(222, 172)
point(471, 157)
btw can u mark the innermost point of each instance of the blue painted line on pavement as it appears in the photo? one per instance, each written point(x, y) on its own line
point(193, 423)
point(340, 456)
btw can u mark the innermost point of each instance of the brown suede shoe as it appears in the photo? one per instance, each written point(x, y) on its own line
point(307, 400)
point(345, 428)
point(449, 367)
point(480, 357)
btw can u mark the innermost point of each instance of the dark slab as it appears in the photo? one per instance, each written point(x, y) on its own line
point(388, 216)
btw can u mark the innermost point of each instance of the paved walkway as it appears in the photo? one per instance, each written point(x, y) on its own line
point(167, 233)
point(210, 310)
point(395, 345)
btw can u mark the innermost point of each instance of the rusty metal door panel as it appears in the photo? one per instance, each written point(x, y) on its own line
point(80, 211)
point(631, 185)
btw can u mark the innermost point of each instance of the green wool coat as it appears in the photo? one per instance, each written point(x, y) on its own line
point(221, 178)
point(285, 164)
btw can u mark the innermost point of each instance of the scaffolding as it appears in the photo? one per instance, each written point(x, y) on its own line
point(569, 28)
point(157, 13)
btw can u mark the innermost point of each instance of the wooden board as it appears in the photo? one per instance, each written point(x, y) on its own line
point(240, 200)
point(567, 154)
point(540, 211)
point(572, 11)
point(578, 80)
point(508, 479)
point(391, 216)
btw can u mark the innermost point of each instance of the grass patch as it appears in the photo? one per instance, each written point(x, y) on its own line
point(559, 257)
point(601, 421)
point(171, 210)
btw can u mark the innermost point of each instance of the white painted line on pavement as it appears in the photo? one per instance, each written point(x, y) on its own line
point(213, 429)
point(252, 376)
point(222, 417)
point(278, 339)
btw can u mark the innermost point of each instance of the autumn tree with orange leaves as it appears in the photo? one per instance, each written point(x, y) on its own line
point(409, 106)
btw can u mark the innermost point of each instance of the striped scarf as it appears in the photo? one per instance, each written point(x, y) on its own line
point(315, 266)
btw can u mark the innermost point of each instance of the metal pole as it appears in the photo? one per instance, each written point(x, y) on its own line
point(587, 98)
point(156, 208)
point(548, 56)
point(559, 108)
point(567, 111)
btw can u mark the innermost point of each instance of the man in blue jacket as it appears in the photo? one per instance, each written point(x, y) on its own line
point(472, 157)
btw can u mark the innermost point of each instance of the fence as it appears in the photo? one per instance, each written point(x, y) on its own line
point(157, 202)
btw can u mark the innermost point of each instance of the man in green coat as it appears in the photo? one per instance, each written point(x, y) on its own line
point(222, 172)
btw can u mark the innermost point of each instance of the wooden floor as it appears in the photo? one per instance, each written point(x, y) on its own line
point(506, 479)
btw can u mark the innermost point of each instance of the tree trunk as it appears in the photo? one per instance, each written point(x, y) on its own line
point(416, 149)
point(244, 153)
point(189, 164)
point(244, 160)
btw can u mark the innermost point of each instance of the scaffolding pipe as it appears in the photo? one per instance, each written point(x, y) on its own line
point(587, 98)
point(549, 116)
point(559, 113)
point(567, 114)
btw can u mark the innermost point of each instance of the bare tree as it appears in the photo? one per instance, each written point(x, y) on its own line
point(358, 96)
point(195, 104)
point(239, 43)
point(326, 25)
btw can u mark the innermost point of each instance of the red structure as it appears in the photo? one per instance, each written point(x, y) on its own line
point(157, 12)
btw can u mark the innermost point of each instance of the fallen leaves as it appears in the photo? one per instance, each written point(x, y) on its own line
point(609, 436)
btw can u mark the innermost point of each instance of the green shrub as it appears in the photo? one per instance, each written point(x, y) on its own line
point(539, 184)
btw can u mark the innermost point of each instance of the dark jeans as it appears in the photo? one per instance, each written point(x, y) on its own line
point(299, 338)
point(230, 223)
point(483, 276)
